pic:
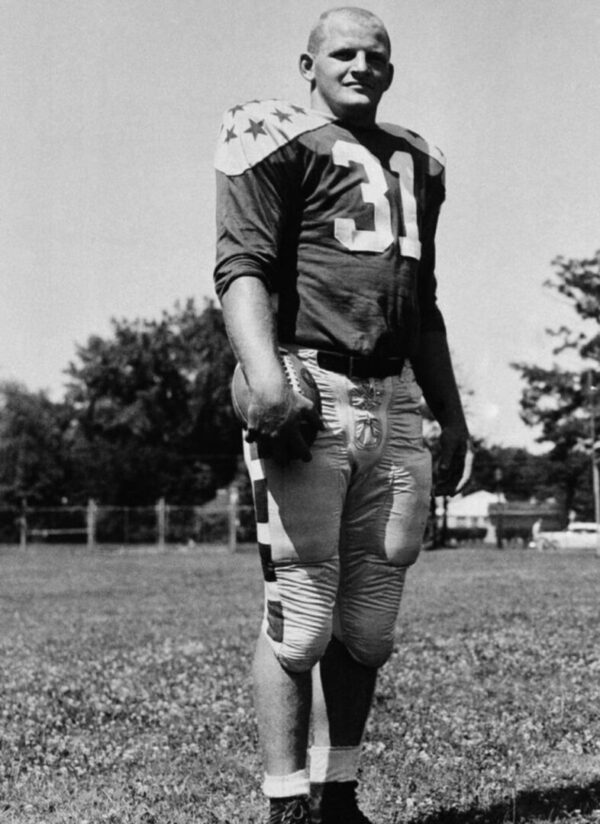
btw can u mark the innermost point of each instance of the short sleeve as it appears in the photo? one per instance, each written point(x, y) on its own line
point(257, 187)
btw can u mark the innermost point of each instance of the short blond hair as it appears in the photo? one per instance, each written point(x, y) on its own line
point(317, 33)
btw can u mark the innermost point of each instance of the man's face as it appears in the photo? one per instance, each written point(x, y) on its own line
point(350, 71)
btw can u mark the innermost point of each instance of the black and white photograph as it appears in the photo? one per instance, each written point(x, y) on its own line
point(300, 412)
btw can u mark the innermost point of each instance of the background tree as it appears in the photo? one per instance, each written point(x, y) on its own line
point(562, 400)
point(518, 474)
point(33, 464)
point(152, 410)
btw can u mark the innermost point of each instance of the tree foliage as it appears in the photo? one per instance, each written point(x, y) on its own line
point(561, 400)
point(520, 475)
point(146, 414)
point(153, 411)
point(33, 465)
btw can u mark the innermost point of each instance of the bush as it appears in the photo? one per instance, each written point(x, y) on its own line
point(466, 534)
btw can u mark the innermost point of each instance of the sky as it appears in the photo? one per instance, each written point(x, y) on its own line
point(110, 112)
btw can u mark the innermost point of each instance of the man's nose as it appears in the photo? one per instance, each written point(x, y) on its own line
point(360, 64)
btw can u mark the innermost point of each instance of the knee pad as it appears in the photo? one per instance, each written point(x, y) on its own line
point(369, 651)
point(301, 656)
point(367, 609)
point(298, 615)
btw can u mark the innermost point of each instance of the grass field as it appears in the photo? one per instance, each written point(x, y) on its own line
point(124, 690)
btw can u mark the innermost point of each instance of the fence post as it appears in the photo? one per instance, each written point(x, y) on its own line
point(232, 511)
point(161, 522)
point(23, 527)
point(90, 523)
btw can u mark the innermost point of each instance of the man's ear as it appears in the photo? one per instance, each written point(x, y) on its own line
point(390, 76)
point(306, 66)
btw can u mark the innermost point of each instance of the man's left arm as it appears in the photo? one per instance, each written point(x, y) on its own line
point(435, 375)
point(432, 363)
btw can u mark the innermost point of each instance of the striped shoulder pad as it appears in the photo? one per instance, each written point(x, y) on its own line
point(252, 131)
point(437, 160)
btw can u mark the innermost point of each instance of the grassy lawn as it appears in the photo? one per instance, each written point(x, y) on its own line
point(124, 690)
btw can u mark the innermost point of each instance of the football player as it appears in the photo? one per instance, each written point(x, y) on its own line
point(326, 246)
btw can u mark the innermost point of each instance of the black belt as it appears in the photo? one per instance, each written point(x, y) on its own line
point(359, 366)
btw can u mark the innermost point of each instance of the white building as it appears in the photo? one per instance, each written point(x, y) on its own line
point(469, 511)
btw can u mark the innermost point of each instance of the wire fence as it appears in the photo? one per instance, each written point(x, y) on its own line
point(227, 520)
point(224, 520)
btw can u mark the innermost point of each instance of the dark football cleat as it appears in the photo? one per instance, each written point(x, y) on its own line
point(337, 804)
point(294, 810)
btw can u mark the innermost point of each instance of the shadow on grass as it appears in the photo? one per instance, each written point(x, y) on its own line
point(529, 805)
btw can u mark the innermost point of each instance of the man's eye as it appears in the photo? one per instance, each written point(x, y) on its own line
point(344, 55)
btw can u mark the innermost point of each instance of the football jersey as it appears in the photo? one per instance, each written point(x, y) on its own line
point(337, 221)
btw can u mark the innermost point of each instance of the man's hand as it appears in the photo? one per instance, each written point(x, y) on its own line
point(456, 458)
point(282, 422)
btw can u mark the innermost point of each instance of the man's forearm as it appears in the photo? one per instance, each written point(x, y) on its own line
point(275, 412)
point(251, 329)
point(435, 375)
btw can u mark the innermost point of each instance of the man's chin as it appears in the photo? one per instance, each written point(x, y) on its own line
point(359, 109)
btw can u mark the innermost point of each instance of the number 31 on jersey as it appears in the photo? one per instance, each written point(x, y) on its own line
point(374, 191)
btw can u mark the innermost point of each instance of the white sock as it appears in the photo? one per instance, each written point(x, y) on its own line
point(284, 786)
point(333, 764)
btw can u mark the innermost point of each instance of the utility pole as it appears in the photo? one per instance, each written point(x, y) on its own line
point(591, 387)
point(498, 478)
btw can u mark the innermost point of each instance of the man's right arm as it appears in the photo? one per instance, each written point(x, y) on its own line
point(253, 204)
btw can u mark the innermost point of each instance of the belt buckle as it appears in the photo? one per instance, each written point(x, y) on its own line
point(351, 361)
point(357, 368)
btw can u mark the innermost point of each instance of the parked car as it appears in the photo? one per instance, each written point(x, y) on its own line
point(578, 535)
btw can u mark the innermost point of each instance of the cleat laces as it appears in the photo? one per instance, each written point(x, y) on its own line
point(296, 811)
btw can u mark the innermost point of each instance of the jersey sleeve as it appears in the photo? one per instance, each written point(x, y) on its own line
point(250, 212)
point(431, 315)
point(257, 188)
